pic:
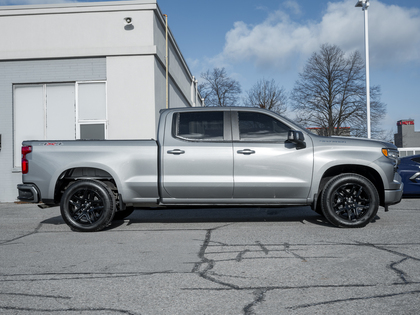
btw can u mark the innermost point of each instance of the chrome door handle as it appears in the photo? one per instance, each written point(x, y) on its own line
point(176, 151)
point(246, 151)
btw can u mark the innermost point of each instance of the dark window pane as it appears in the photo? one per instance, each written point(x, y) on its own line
point(261, 127)
point(417, 160)
point(93, 131)
point(204, 126)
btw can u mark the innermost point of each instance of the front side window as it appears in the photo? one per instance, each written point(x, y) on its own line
point(260, 127)
point(199, 126)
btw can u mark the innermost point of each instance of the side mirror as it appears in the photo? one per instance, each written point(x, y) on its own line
point(296, 137)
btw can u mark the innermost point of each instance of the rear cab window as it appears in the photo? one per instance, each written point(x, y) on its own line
point(199, 126)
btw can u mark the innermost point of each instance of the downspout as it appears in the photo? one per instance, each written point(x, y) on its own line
point(166, 62)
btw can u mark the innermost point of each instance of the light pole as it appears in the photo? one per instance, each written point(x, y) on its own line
point(364, 4)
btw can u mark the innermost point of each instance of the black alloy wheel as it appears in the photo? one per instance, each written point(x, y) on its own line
point(87, 206)
point(350, 200)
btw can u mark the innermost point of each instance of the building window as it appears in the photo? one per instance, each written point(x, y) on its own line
point(92, 131)
point(92, 113)
point(62, 111)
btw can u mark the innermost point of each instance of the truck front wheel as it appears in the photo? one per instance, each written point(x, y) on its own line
point(87, 206)
point(350, 200)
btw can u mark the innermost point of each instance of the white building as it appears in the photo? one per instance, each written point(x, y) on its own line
point(82, 71)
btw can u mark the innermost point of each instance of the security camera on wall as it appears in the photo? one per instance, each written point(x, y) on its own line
point(128, 24)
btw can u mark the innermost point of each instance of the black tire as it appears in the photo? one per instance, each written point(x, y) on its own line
point(87, 206)
point(350, 200)
point(120, 215)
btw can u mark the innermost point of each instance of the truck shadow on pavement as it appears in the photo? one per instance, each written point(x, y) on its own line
point(208, 215)
point(220, 214)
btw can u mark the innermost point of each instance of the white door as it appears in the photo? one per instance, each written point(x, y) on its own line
point(61, 118)
point(43, 112)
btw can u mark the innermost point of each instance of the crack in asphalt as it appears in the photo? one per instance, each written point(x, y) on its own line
point(36, 295)
point(259, 296)
point(70, 309)
point(208, 263)
point(388, 250)
point(22, 236)
point(287, 250)
point(81, 276)
point(260, 292)
point(399, 272)
point(241, 254)
point(263, 248)
point(379, 296)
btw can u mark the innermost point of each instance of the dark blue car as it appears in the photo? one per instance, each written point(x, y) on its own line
point(409, 169)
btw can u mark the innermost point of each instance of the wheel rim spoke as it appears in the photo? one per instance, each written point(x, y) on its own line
point(351, 202)
point(87, 206)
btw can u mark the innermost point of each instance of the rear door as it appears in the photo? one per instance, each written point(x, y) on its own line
point(266, 166)
point(197, 159)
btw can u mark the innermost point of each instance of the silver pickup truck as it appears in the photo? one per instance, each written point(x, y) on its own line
point(213, 157)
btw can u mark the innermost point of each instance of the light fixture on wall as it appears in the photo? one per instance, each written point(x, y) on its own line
point(128, 23)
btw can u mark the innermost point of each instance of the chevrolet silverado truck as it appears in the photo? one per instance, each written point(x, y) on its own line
point(212, 157)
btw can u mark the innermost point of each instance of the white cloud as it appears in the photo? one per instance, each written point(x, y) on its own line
point(293, 5)
point(394, 35)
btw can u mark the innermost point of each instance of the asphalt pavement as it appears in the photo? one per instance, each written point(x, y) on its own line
point(210, 261)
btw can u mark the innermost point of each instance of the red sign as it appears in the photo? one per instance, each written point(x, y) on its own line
point(405, 122)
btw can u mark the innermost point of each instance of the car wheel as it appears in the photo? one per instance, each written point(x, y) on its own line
point(120, 215)
point(350, 200)
point(87, 206)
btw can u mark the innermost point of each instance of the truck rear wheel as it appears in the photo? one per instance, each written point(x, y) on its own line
point(350, 200)
point(87, 206)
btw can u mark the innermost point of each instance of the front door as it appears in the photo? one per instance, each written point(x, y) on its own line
point(266, 166)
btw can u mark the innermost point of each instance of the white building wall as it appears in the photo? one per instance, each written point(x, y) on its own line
point(131, 98)
point(77, 31)
point(73, 42)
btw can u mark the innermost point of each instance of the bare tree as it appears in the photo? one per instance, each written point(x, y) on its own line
point(218, 89)
point(267, 94)
point(330, 94)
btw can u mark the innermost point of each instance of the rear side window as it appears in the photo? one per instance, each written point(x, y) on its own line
point(199, 126)
point(260, 127)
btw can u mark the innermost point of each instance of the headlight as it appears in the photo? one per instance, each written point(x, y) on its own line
point(393, 155)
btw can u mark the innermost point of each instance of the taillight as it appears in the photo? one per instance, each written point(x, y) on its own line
point(25, 163)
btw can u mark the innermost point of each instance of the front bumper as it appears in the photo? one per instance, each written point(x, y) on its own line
point(393, 196)
point(28, 193)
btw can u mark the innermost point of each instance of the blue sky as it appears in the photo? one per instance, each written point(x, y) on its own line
point(255, 39)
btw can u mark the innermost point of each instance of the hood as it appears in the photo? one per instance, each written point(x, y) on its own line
point(337, 140)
